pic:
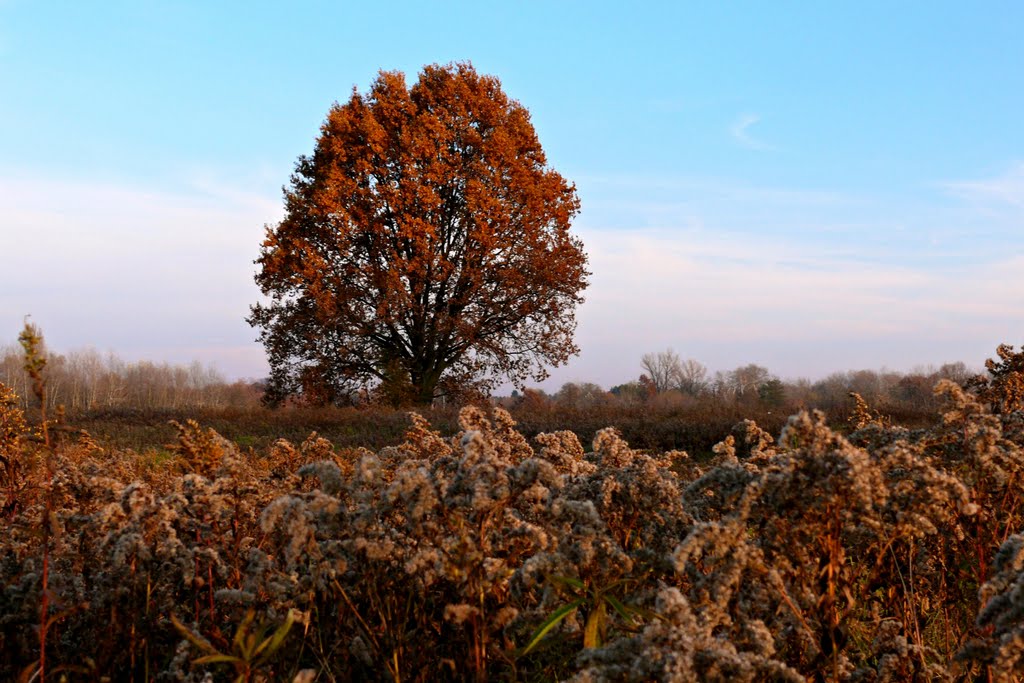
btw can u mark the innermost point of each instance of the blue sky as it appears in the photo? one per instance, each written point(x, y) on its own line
point(806, 186)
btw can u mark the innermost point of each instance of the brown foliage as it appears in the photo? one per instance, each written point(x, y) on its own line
point(1004, 387)
point(882, 555)
point(12, 465)
point(813, 556)
point(425, 247)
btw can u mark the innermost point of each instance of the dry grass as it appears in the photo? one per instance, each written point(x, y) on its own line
point(486, 554)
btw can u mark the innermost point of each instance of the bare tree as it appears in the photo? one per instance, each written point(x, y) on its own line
point(664, 369)
point(693, 378)
point(957, 372)
point(722, 387)
point(85, 379)
point(747, 380)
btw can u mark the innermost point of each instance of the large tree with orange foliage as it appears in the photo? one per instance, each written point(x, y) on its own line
point(425, 248)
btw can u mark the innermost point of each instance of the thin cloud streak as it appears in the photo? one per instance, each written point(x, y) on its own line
point(796, 309)
point(1003, 190)
point(740, 131)
point(875, 227)
point(132, 269)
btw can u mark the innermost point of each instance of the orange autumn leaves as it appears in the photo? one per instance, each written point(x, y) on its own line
point(425, 249)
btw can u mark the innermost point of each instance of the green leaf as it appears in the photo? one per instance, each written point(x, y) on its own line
point(553, 620)
point(241, 646)
point(616, 583)
point(627, 613)
point(269, 646)
point(569, 581)
point(196, 640)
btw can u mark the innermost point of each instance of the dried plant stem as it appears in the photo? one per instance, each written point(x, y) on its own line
point(362, 622)
point(35, 361)
point(784, 594)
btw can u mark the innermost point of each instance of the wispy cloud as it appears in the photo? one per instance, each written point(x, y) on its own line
point(798, 308)
point(131, 268)
point(740, 131)
point(1006, 189)
point(926, 228)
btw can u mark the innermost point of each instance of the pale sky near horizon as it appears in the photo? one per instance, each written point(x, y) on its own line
point(812, 187)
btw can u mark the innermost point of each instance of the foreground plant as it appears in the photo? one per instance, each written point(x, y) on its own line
point(253, 646)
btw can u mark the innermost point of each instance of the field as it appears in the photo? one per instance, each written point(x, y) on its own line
point(824, 550)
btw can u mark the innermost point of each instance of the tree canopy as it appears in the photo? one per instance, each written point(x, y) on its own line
point(425, 248)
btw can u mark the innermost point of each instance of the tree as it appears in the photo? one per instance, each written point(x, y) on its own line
point(956, 372)
point(772, 393)
point(632, 393)
point(746, 380)
point(693, 377)
point(663, 368)
point(581, 395)
point(425, 248)
point(667, 371)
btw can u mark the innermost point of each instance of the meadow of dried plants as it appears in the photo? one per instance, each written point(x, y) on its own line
point(820, 552)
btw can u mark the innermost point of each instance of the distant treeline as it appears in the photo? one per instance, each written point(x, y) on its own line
point(89, 380)
point(669, 384)
point(84, 380)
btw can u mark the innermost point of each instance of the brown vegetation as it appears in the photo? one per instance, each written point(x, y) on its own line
point(886, 554)
point(132, 405)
